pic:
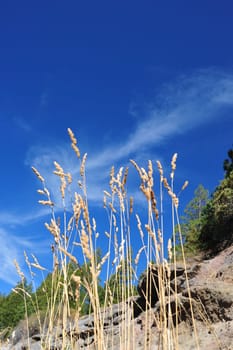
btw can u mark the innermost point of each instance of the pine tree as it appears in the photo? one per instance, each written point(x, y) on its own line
point(217, 226)
point(228, 163)
point(120, 284)
point(12, 306)
point(191, 222)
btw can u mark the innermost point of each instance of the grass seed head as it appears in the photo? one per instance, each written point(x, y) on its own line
point(74, 142)
point(131, 205)
point(49, 203)
point(169, 248)
point(184, 185)
point(160, 169)
point(36, 172)
point(82, 168)
point(72, 137)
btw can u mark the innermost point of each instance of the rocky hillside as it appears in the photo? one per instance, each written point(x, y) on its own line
point(134, 325)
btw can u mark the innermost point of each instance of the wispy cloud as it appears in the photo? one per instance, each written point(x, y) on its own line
point(188, 102)
point(182, 105)
point(12, 219)
point(14, 241)
point(12, 249)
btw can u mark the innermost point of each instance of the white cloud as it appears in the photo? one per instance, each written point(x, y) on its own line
point(182, 105)
point(12, 219)
point(12, 248)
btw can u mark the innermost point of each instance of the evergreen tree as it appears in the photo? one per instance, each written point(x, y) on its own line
point(217, 226)
point(16, 305)
point(120, 284)
point(228, 163)
point(191, 222)
point(85, 274)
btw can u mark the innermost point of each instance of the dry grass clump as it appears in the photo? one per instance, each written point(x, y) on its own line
point(75, 241)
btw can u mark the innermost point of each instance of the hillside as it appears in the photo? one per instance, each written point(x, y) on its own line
point(211, 291)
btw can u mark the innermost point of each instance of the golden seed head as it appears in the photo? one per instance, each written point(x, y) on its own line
point(160, 169)
point(94, 224)
point(119, 175)
point(58, 167)
point(72, 137)
point(54, 229)
point(47, 192)
point(112, 208)
point(112, 171)
point(103, 260)
point(184, 185)
point(166, 185)
point(69, 178)
point(65, 252)
point(86, 218)
point(107, 234)
point(69, 226)
point(150, 169)
point(105, 202)
point(138, 254)
point(50, 203)
point(169, 248)
point(63, 187)
point(144, 175)
point(107, 193)
point(76, 150)
point(37, 174)
point(173, 162)
point(136, 166)
point(176, 201)
point(85, 244)
point(20, 273)
point(76, 279)
point(35, 259)
point(41, 192)
point(39, 267)
point(131, 205)
point(125, 176)
point(114, 221)
point(82, 168)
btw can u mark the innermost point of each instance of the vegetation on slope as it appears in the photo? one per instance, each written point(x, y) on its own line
point(208, 222)
point(76, 289)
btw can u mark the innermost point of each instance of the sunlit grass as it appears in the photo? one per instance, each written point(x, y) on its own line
point(77, 267)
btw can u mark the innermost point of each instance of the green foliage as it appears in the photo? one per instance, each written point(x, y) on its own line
point(23, 302)
point(228, 163)
point(84, 301)
point(49, 292)
point(191, 222)
point(208, 225)
point(15, 306)
point(217, 227)
point(120, 284)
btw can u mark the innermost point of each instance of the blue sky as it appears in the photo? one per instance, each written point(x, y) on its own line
point(135, 79)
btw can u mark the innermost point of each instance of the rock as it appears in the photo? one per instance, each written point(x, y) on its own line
point(212, 301)
point(204, 318)
point(158, 279)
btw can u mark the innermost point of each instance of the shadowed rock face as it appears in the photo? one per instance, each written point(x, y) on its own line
point(210, 286)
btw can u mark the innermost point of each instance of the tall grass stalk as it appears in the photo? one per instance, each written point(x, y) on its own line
point(75, 241)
